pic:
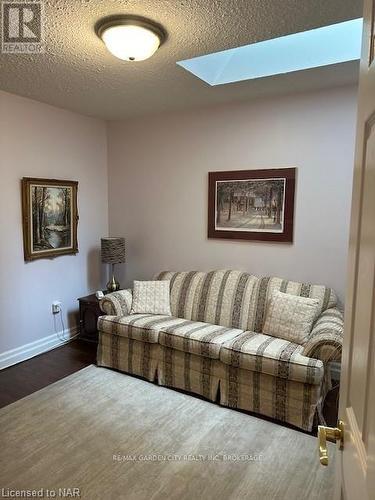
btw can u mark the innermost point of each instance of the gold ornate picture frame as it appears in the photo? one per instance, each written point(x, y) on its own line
point(49, 217)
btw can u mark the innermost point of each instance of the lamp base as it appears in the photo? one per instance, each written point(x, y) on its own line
point(113, 285)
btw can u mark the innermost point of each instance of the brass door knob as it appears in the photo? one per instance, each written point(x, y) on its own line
point(332, 434)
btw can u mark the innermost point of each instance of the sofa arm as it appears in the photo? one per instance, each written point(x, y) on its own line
point(325, 339)
point(117, 303)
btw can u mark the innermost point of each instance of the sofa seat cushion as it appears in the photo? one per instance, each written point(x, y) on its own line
point(280, 358)
point(142, 327)
point(184, 335)
point(195, 337)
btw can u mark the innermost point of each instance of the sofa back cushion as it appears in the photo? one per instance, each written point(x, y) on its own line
point(234, 298)
point(183, 287)
point(268, 285)
point(224, 298)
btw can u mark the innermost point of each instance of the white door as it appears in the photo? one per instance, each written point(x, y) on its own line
point(357, 393)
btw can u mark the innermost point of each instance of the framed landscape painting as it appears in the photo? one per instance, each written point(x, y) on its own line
point(252, 204)
point(50, 217)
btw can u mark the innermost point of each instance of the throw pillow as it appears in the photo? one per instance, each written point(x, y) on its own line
point(290, 317)
point(151, 297)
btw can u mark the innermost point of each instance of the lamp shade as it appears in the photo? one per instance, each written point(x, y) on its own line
point(113, 250)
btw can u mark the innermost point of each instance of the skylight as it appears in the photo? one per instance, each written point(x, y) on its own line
point(333, 44)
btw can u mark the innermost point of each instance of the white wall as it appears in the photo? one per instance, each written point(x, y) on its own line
point(157, 170)
point(37, 140)
point(158, 184)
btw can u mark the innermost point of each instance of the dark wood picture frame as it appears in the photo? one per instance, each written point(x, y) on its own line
point(284, 235)
point(47, 251)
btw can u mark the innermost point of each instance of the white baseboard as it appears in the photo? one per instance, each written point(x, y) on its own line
point(27, 351)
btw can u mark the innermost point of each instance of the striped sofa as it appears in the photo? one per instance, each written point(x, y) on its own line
point(212, 344)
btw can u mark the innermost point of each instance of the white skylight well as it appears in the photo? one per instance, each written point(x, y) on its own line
point(333, 44)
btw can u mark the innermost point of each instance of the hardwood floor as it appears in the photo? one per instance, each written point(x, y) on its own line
point(29, 376)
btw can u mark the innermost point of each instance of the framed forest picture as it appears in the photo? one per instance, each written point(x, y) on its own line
point(252, 204)
point(50, 217)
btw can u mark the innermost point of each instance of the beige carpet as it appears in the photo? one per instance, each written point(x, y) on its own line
point(168, 445)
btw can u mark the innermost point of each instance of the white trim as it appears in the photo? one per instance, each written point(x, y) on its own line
point(27, 351)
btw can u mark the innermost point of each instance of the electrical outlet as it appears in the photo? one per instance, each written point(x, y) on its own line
point(56, 307)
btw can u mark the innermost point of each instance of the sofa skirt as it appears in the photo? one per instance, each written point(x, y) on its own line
point(128, 355)
point(288, 401)
point(189, 372)
point(285, 400)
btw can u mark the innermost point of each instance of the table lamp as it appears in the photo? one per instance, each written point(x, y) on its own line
point(113, 252)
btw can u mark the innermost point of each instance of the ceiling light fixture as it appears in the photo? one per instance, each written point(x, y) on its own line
point(130, 38)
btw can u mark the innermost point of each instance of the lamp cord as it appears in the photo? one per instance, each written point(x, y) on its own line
point(61, 335)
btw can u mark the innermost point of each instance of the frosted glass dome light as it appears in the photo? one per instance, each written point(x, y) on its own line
point(130, 38)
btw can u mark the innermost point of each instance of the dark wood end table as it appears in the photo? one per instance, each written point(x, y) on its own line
point(89, 312)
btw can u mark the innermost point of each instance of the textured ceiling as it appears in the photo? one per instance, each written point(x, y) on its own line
point(78, 73)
